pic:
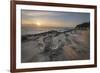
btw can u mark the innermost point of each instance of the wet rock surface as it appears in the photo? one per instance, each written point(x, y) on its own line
point(56, 47)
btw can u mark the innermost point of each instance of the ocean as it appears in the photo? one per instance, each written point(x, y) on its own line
point(34, 30)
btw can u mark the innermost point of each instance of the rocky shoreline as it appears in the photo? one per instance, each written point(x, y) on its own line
point(73, 44)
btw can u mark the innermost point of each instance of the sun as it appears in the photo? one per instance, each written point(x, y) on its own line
point(38, 23)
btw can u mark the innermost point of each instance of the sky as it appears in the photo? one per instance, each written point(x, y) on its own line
point(38, 18)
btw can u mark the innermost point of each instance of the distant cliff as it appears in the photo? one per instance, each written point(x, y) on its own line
point(83, 26)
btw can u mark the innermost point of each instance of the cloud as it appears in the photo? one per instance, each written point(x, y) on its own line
point(35, 13)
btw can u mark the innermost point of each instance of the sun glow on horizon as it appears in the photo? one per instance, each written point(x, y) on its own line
point(38, 24)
